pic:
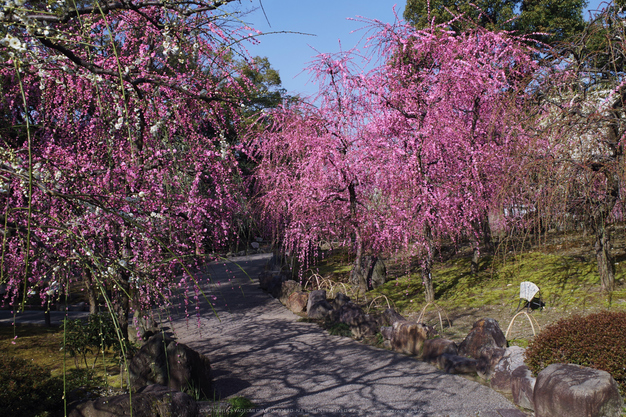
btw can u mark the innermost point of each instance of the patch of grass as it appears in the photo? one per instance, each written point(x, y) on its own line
point(406, 293)
point(380, 340)
point(519, 342)
point(27, 389)
point(240, 406)
point(194, 392)
point(335, 264)
point(337, 329)
point(41, 346)
point(564, 281)
point(569, 284)
point(307, 320)
point(233, 407)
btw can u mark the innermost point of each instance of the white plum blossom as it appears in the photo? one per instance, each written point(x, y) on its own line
point(154, 130)
point(12, 42)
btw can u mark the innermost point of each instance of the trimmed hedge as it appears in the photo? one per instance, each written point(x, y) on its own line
point(597, 341)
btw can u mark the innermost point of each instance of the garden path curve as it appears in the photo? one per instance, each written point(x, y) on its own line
point(260, 351)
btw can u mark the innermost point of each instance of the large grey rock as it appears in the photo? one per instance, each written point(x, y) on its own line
point(163, 361)
point(501, 378)
point(433, 348)
point(297, 301)
point(350, 314)
point(265, 278)
point(275, 284)
point(523, 387)
point(142, 328)
point(361, 324)
point(271, 280)
point(82, 306)
point(287, 288)
point(317, 296)
point(150, 401)
point(368, 327)
point(407, 337)
point(455, 364)
point(390, 316)
point(387, 333)
point(576, 391)
point(317, 306)
point(340, 300)
point(485, 333)
point(319, 311)
point(279, 264)
point(489, 359)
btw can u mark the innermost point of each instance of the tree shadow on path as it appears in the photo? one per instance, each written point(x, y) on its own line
point(260, 351)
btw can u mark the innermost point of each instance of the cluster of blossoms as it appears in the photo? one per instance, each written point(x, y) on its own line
point(120, 182)
point(12, 42)
point(405, 156)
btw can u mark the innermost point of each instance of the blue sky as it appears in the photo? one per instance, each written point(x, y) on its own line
point(325, 20)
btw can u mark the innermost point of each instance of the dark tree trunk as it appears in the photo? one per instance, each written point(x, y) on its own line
point(475, 258)
point(606, 268)
point(427, 265)
point(484, 230)
point(91, 293)
point(122, 304)
point(369, 272)
point(427, 279)
point(358, 276)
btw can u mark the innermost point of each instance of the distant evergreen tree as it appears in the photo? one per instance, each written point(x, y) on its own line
point(559, 19)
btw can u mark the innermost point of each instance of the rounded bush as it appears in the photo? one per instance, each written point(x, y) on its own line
point(597, 341)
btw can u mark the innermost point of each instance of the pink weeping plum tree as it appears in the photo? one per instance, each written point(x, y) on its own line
point(115, 170)
point(402, 157)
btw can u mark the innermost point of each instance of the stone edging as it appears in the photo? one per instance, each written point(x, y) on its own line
point(559, 390)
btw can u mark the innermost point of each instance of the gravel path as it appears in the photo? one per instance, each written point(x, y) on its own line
point(260, 351)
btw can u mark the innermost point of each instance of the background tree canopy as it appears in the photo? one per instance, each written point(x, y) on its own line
point(560, 19)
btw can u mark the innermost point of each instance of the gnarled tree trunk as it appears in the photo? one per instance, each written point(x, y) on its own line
point(427, 279)
point(122, 303)
point(358, 275)
point(91, 292)
point(427, 266)
point(483, 229)
point(606, 268)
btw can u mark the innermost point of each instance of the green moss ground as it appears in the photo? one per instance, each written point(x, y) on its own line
point(569, 284)
point(42, 346)
point(564, 282)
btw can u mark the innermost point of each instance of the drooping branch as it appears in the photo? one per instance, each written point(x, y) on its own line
point(186, 7)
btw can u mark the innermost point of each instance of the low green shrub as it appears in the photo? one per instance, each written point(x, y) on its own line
point(27, 389)
point(337, 329)
point(240, 406)
point(597, 341)
point(90, 337)
point(233, 407)
point(78, 381)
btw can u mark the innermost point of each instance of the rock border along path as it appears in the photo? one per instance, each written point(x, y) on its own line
point(260, 351)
